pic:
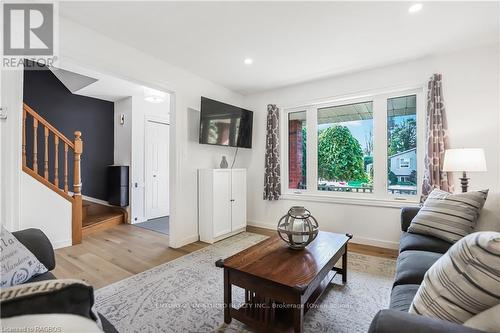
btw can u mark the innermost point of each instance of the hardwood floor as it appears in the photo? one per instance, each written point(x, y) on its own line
point(124, 250)
point(116, 253)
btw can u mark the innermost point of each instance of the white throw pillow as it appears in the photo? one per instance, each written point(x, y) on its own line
point(463, 282)
point(487, 321)
point(18, 264)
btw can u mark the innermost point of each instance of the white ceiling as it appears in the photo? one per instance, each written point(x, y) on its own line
point(289, 42)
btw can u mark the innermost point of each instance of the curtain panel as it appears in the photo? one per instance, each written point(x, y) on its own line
point(272, 175)
point(437, 141)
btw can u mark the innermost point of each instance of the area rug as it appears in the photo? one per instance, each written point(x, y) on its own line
point(185, 295)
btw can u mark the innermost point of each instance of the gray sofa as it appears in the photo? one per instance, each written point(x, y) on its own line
point(38, 244)
point(417, 253)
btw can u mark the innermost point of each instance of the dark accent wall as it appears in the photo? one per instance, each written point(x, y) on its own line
point(68, 113)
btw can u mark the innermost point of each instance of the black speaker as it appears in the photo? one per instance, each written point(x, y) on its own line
point(118, 185)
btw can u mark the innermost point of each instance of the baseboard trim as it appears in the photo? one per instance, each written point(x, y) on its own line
point(61, 244)
point(98, 201)
point(356, 239)
point(185, 241)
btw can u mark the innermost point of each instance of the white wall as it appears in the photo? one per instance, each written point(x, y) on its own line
point(471, 93)
point(11, 99)
point(92, 50)
point(24, 202)
point(44, 209)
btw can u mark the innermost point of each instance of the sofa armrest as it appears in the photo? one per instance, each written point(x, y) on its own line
point(392, 321)
point(407, 214)
point(36, 241)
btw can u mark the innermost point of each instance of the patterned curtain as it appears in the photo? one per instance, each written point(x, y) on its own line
point(437, 141)
point(272, 178)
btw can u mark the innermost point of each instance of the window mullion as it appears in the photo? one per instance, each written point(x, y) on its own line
point(312, 150)
point(380, 147)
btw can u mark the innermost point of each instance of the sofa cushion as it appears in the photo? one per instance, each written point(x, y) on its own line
point(402, 296)
point(448, 216)
point(412, 265)
point(464, 281)
point(418, 242)
point(18, 264)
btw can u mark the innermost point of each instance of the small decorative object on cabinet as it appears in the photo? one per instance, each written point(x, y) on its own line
point(223, 163)
point(298, 228)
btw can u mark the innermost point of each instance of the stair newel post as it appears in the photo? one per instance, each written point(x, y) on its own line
point(77, 188)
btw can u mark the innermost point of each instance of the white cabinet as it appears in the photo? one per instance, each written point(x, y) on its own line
point(222, 208)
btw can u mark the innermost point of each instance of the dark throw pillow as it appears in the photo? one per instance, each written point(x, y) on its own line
point(51, 296)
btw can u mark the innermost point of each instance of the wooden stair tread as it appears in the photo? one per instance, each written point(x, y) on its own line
point(92, 219)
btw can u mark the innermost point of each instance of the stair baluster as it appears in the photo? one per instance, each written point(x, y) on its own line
point(56, 161)
point(35, 145)
point(76, 146)
point(46, 155)
point(65, 168)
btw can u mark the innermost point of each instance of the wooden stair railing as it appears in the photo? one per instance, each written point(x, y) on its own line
point(76, 147)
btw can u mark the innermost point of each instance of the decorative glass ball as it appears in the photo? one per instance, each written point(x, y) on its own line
point(298, 228)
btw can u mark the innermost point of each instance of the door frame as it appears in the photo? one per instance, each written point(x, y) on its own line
point(164, 120)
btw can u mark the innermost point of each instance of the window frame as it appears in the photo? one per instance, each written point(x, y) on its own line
point(380, 195)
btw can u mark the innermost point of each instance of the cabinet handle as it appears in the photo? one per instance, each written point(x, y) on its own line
point(233, 200)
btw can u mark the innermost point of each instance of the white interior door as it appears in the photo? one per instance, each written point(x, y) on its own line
point(238, 199)
point(156, 167)
point(222, 202)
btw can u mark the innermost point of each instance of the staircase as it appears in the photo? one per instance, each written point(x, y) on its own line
point(97, 217)
point(72, 147)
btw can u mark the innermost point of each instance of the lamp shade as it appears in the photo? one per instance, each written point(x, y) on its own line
point(464, 159)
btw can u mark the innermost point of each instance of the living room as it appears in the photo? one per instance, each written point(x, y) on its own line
point(379, 74)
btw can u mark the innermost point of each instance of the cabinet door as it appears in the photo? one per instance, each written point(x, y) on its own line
point(222, 202)
point(239, 200)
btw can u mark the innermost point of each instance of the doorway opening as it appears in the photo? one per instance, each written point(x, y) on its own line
point(156, 175)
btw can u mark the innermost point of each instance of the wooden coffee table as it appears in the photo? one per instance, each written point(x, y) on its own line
point(282, 284)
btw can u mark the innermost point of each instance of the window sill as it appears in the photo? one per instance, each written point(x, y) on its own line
point(350, 200)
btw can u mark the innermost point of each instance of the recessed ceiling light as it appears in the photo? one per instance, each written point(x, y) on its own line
point(415, 8)
point(248, 61)
point(153, 95)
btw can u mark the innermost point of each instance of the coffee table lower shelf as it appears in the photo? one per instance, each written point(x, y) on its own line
point(267, 315)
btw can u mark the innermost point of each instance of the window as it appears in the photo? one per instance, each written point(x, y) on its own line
point(345, 148)
point(359, 148)
point(404, 163)
point(297, 150)
point(402, 145)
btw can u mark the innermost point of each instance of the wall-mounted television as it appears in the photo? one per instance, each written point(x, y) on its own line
point(225, 125)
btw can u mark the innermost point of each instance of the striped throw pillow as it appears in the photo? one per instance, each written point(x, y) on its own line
point(463, 282)
point(448, 216)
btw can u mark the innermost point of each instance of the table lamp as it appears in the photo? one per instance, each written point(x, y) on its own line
point(464, 160)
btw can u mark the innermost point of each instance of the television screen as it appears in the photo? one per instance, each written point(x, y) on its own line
point(225, 125)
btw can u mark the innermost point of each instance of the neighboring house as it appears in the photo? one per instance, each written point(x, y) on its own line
point(402, 164)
